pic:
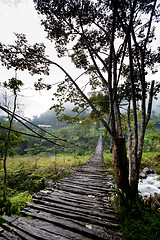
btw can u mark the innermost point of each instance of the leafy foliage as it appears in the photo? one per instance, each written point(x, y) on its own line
point(138, 222)
point(15, 140)
point(18, 202)
point(13, 84)
point(23, 56)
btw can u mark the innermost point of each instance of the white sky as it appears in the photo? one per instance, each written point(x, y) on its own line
point(20, 16)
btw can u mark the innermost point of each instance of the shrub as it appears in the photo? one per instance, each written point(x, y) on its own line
point(18, 202)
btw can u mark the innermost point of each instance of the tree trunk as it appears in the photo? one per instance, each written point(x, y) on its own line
point(121, 165)
point(5, 168)
point(7, 142)
point(134, 176)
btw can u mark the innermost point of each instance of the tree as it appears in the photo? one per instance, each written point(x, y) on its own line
point(110, 41)
point(13, 85)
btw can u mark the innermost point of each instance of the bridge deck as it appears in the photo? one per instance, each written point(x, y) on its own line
point(78, 208)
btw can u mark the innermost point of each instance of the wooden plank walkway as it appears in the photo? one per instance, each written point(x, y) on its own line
point(78, 208)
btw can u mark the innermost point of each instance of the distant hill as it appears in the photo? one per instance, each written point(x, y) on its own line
point(3, 119)
point(48, 118)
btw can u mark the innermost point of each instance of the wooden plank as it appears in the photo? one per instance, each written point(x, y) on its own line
point(85, 185)
point(33, 231)
point(110, 221)
point(17, 232)
point(83, 191)
point(93, 211)
point(76, 202)
point(66, 201)
point(54, 229)
point(73, 202)
point(88, 230)
point(102, 183)
point(9, 236)
point(84, 181)
point(57, 232)
point(64, 197)
point(88, 198)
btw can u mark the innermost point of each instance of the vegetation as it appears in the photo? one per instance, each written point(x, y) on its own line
point(112, 40)
point(35, 167)
point(137, 221)
point(29, 174)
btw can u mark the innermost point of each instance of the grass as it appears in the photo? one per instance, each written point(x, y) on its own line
point(46, 167)
point(18, 202)
point(68, 161)
point(151, 160)
point(137, 222)
point(27, 175)
point(107, 156)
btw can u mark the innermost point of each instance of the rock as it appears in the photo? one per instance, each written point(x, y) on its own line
point(148, 170)
point(151, 182)
point(143, 175)
point(48, 183)
point(145, 171)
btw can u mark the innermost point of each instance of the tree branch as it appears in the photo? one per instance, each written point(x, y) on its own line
point(81, 92)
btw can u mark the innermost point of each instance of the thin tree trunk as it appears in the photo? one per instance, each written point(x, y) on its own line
point(134, 176)
point(6, 151)
point(129, 142)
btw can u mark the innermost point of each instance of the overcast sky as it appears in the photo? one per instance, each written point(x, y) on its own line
point(20, 16)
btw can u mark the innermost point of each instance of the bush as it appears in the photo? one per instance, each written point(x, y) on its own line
point(14, 204)
point(26, 179)
point(18, 202)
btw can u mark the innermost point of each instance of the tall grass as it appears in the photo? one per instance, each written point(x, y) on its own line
point(107, 156)
point(28, 174)
point(152, 160)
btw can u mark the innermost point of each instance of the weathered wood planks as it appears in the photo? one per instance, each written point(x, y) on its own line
point(78, 207)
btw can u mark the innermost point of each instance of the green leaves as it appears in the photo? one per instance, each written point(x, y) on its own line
point(101, 101)
point(13, 84)
point(15, 140)
point(22, 56)
point(40, 85)
point(79, 58)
